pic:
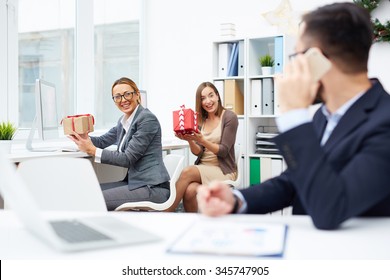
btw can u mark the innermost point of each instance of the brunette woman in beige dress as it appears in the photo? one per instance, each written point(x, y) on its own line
point(214, 147)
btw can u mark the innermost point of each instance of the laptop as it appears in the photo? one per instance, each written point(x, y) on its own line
point(67, 234)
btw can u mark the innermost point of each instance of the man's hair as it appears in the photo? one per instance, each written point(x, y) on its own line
point(343, 31)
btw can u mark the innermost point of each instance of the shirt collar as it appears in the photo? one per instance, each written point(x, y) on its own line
point(126, 122)
point(340, 111)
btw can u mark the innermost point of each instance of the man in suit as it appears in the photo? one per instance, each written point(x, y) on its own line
point(138, 138)
point(339, 161)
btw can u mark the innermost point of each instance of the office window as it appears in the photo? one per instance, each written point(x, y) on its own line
point(117, 52)
point(47, 55)
point(116, 55)
point(47, 51)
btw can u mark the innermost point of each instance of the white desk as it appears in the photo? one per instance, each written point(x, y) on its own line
point(357, 239)
point(19, 157)
point(19, 152)
point(104, 172)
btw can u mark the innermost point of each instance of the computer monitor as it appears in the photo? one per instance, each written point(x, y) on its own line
point(46, 120)
point(144, 98)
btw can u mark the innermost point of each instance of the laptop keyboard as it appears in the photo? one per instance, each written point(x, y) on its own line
point(75, 232)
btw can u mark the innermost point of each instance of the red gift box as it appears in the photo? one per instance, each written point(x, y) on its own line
point(185, 121)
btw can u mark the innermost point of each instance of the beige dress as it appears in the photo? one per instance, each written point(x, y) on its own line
point(209, 167)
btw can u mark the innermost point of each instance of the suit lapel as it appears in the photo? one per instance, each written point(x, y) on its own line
point(348, 123)
point(357, 114)
point(121, 138)
point(131, 128)
point(319, 122)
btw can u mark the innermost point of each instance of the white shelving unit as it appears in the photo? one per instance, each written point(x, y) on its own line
point(250, 81)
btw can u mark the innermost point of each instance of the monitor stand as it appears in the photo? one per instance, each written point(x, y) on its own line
point(30, 140)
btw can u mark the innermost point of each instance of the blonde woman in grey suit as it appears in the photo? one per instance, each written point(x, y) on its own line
point(138, 138)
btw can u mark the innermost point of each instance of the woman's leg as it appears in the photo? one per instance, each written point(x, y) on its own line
point(116, 196)
point(189, 199)
point(189, 175)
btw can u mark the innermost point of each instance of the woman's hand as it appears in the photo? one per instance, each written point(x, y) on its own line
point(180, 136)
point(83, 142)
point(197, 137)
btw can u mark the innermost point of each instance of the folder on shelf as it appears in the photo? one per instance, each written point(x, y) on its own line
point(254, 171)
point(219, 85)
point(267, 105)
point(241, 58)
point(265, 169)
point(276, 166)
point(234, 99)
point(224, 52)
point(233, 61)
point(240, 136)
point(276, 102)
point(278, 54)
point(255, 100)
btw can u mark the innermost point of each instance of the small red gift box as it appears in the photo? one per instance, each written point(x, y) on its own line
point(185, 121)
point(78, 123)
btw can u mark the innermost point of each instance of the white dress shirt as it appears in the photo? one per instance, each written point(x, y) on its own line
point(126, 123)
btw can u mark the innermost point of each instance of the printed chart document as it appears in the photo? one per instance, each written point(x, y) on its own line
point(238, 238)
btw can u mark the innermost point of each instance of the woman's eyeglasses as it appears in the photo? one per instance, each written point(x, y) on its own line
point(128, 95)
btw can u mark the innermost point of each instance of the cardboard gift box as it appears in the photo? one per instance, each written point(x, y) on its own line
point(78, 123)
point(185, 121)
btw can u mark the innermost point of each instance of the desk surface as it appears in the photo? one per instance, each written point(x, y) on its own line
point(356, 239)
point(19, 152)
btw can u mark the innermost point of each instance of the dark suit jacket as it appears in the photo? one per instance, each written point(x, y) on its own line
point(141, 152)
point(349, 176)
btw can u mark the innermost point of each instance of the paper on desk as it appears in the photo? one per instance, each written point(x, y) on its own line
point(241, 238)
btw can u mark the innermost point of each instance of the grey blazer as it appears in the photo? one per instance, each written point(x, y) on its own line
point(141, 152)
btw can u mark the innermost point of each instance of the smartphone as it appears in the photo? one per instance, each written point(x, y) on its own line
point(318, 63)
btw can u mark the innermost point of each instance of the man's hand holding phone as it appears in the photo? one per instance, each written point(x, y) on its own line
point(298, 85)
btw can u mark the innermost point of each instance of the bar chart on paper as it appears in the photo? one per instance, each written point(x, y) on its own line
point(222, 237)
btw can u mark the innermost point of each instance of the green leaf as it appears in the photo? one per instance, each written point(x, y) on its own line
point(7, 130)
point(267, 60)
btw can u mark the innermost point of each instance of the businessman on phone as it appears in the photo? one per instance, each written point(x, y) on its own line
point(339, 161)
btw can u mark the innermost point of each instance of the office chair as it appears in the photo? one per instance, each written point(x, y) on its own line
point(174, 165)
point(236, 183)
point(63, 184)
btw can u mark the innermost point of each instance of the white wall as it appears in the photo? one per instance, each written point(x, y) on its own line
point(179, 36)
point(62, 13)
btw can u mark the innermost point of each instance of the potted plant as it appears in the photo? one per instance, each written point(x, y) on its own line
point(7, 133)
point(266, 62)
